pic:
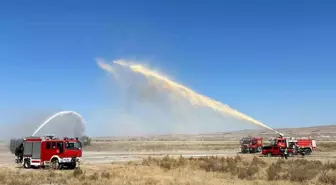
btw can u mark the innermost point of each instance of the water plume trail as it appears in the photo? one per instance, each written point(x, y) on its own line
point(56, 115)
point(194, 98)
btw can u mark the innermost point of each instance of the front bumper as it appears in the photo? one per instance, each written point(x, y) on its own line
point(66, 160)
point(70, 160)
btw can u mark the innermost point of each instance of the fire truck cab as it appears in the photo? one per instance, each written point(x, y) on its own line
point(49, 151)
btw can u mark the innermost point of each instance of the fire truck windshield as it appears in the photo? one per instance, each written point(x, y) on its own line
point(73, 145)
point(273, 142)
point(246, 141)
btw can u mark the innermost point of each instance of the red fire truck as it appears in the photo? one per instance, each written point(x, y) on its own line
point(275, 151)
point(305, 144)
point(49, 151)
point(251, 144)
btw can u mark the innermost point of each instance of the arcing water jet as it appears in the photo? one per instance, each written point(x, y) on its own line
point(194, 98)
point(56, 115)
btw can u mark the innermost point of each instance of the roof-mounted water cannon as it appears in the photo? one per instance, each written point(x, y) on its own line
point(49, 136)
point(281, 135)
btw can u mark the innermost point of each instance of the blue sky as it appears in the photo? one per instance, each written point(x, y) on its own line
point(273, 60)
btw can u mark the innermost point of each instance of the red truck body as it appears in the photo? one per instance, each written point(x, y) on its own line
point(48, 151)
point(251, 144)
point(275, 151)
point(308, 145)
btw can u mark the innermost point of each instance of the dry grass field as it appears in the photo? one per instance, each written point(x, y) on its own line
point(183, 171)
point(235, 168)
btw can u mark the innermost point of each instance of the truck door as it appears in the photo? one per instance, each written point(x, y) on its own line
point(49, 150)
point(60, 147)
point(276, 150)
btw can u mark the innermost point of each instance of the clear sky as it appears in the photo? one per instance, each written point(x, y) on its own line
point(273, 60)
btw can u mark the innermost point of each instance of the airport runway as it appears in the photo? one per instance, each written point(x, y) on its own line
point(90, 157)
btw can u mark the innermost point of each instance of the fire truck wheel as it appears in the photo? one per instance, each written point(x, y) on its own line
point(26, 163)
point(55, 164)
point(308, 151)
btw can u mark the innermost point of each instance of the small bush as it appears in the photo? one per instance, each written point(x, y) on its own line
point(247, 173)
point(330, 166)
point(242, 174)
point(105, 174)
point(272, 173)
point(252, 169)
point(151, 181)
point(303, 170)
point(94, 176)
point(77, 172)
point(86, 140)
point(279, 163)
point(167, 162)
point(238, 158)
point(258, 162)
point(51, 173)
point(181, 161)
point(300, 175)
point(204, 165)
point(146, 162)
point(328, 177)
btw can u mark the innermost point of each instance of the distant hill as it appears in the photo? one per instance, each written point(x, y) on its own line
point(327, 132)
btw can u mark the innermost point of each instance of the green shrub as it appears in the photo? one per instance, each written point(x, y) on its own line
point(86, 140)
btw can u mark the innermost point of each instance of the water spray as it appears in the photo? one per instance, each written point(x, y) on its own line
point(56, 115)
point(193, 97)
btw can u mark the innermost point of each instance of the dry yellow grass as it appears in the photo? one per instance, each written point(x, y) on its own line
point(183, 171)
point(326, 146)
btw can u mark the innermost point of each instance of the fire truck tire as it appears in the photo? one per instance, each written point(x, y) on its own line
point(55, 164)
point(26, 163)
point(308, 151)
